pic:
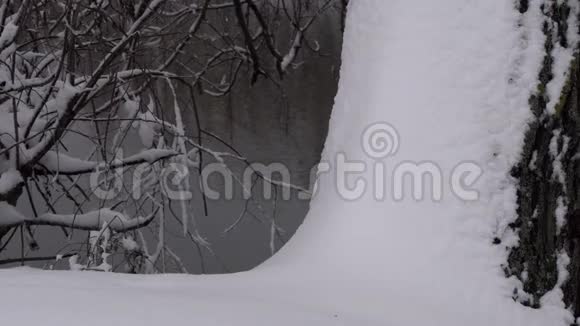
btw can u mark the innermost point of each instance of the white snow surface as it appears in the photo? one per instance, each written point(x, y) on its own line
point(453, 78)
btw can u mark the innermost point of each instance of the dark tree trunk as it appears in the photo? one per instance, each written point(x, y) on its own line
point(549, 180)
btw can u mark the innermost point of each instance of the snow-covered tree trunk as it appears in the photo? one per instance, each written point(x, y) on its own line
point(547, 257)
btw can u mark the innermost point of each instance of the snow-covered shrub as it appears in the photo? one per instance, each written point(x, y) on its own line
point(79, 78)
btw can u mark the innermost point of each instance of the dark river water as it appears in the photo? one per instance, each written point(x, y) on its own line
point(265, 125)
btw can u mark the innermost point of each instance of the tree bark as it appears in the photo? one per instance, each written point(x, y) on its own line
point(549, 180)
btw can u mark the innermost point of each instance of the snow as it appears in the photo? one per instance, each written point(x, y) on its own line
point(94, 220)
point(454, 81)
point(557, 155)
point(6, 38)
point(8, 34)
point(9, 214)
point(291, 55)
point(561, 211)
point(59, 162)
point(147, 128)
point(9, 180)
point(62, 101)
point(151, 155)
point(556, 296)
point(129, 244)
point(459, 94)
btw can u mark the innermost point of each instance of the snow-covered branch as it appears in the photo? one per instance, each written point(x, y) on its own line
point(91, 221)
point(60, 163)
point(88, 73)
point(94, 221)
